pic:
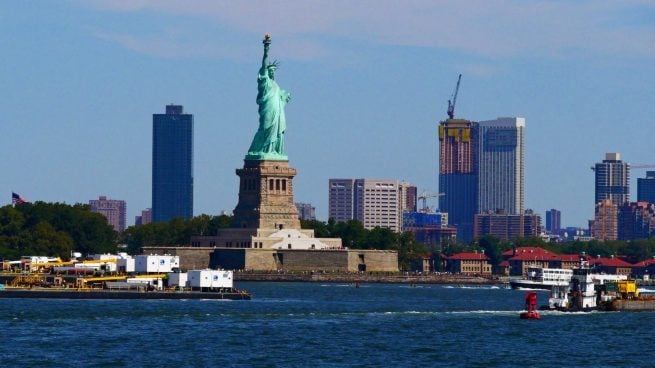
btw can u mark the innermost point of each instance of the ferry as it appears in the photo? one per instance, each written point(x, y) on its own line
point(542, 278)
point(585, 291)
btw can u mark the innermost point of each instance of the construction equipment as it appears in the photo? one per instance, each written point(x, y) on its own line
point(424, 196)
point(642, 166)
point(451, 105)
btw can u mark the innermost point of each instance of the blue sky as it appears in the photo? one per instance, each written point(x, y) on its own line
point(369, 81)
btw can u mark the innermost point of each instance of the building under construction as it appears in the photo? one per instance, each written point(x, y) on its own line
point(458, 170)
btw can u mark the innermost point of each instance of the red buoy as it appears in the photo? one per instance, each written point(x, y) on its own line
point(530, 306)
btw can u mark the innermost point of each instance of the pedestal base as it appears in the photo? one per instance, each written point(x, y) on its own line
point(266, 196)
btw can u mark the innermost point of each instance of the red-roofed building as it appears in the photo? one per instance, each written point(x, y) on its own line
point(611, 265)
point(644, 268)
point(468, 264)
point(519, 264)
point(503, 268)
point(520, 250)
point(568, 261)
point(522, 258)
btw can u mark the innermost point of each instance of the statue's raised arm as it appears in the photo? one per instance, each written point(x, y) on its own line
point(267, 44)
point(268, 143)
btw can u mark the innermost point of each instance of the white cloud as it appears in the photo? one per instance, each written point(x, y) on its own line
point(488, 28)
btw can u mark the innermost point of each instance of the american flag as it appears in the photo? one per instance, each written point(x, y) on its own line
point(16, 199)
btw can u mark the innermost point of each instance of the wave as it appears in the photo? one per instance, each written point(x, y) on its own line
point(338, 285)
point(474, 287)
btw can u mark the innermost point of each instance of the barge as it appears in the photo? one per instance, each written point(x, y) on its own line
point(60, 293)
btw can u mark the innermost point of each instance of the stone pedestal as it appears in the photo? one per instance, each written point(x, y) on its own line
point(266, 196)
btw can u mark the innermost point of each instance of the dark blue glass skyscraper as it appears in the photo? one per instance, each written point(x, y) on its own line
point(172, 164)
point(646, 188)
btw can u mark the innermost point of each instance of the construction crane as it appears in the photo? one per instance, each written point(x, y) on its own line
point(451, 105)
point(642, 166)
point(424, 196)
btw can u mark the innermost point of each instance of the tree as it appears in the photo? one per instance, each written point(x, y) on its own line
point(320, 228)
point(53, 229)
point(409, 250)
point(493, 248)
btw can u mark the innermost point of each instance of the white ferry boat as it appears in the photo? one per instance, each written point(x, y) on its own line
point(580, 294)
point(542, 278)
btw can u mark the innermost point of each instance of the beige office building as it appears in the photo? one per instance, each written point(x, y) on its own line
point(373, 202)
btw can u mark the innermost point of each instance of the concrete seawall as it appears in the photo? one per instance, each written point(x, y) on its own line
point(363, 278)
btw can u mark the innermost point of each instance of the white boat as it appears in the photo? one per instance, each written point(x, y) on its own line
point(542, 278)
point(580, 294)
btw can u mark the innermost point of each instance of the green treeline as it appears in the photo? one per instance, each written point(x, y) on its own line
point(635, 250)
point(53, 229)
point(172, 233)
point(56, 229)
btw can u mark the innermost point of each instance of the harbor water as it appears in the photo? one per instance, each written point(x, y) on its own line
point(322, 325)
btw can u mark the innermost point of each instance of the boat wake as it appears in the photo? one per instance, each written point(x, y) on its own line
point(473, 287)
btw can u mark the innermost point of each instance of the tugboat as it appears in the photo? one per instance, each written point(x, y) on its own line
point(530, 306)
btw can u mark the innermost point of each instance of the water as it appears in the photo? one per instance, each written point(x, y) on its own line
point(324, 325)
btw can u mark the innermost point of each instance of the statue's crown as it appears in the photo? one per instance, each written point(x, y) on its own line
point(275, 64)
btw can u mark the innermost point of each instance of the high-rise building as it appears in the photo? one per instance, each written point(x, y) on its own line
point(507, 226)
point(373, 202)
point(143, 219)
point(612, 179)
point(553, 221)
point(114, 210)
point(646, 188)
point(408, 197)
point(636, 220)
point(605, 224)
point(500, 157)
point(341, 207)
point(306, 211)
point(458, 174)
point(172, 164)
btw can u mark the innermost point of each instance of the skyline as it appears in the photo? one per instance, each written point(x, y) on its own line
point(82, 80)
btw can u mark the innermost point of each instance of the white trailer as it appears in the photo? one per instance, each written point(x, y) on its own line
point(210, 279)
point(126, 265)
point(156, 263)
point(178, 279)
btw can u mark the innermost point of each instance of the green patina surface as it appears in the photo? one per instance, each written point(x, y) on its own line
point(268, 142)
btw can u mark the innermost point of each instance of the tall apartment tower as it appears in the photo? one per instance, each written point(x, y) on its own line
point(553, 220)
point(605, 224)
point(172, 164)
point(373, 202)
point(646, 188)
point(501, 162)
point(612, 179)
point(408, 197)
point(458, 174)
point(113, 209)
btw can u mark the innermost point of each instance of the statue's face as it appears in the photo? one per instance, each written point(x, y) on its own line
point(271, 73)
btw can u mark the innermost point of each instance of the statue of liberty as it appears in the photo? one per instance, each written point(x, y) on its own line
point(268, 143)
